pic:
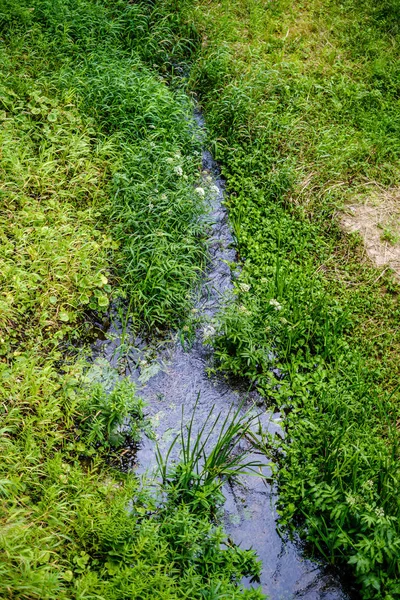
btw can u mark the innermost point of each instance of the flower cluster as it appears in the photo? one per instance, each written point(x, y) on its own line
point(275, 304)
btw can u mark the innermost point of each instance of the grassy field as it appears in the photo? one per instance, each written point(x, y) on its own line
point(99, 160)
point(302, 105)
point(99, 163)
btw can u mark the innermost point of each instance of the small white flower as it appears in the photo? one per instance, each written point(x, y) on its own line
point(170, 160)
point(214, 189)
point(163, 197)
point(379, 512)
point(244, 287)
point(200, 191)
point(208, 331)
point(275, 304)
point(368, 484)
point(244, 310)
point(151, 205)
point(351, 500)
point(179, 171)
point(209, 178)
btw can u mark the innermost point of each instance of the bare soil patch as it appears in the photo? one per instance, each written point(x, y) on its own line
point(377, 220)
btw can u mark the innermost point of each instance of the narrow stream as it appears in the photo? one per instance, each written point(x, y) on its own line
point(170, 377)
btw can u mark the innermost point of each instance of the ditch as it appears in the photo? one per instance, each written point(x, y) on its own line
point(172, 377)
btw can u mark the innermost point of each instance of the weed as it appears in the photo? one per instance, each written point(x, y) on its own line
point(390, 236)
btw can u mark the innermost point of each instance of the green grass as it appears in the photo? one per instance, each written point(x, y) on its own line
point(99, 163)
point(99, 160)
point(301, 102)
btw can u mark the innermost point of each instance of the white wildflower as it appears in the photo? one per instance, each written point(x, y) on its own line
point(208, 331)
point(244, 287)
point(209, 178)
point(351, 500)
point(163, 197)
point(275, 304)
point(368, 484)
point(200, 191)
point(244, 310)
point(380, 512)
point(170, 160)
point(178, 170)
point(214, 189)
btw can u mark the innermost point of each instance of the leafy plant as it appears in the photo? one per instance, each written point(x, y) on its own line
point(107, 418)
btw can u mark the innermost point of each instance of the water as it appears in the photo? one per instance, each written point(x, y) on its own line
point(170, 377)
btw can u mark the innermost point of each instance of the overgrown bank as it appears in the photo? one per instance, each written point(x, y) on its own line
point(98, 170)
point(98, 164)
point(302, 105)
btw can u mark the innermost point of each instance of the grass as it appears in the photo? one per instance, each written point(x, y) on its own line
point(301, 103)
point(99, 160)
point(202, 468)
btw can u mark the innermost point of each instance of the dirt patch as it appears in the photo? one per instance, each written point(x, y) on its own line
point(377, 220)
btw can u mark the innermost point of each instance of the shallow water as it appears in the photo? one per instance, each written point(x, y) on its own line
point(170, 377)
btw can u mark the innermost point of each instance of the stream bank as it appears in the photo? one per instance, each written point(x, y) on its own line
point(172, 377)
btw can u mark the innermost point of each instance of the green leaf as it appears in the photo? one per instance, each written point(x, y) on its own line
point(103, 301)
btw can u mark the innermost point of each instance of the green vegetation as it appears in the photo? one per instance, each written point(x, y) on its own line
point(99, 158)
point(301, 102)
point(99, 162)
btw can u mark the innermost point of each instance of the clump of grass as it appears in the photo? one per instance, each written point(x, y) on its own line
point(201, 468)
point(156, 216)
point(388, 235)
point(195, 481)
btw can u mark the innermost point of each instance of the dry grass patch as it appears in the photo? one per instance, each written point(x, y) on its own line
point(377, 220)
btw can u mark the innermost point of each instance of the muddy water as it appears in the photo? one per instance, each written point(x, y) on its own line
point(170, 377)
